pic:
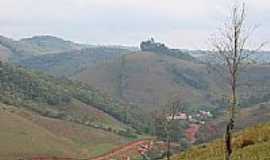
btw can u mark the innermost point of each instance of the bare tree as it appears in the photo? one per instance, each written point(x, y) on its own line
point(165, 121)
point(231, 57)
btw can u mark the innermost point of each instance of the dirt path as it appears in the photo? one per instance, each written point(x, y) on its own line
point(123, 150)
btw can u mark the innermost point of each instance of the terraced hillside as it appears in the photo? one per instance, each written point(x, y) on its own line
point(25, 134)
point(250, 144)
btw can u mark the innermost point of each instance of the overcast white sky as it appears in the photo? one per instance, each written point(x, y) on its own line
point(178, 23)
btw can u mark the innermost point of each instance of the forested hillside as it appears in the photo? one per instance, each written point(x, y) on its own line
point(69, 63)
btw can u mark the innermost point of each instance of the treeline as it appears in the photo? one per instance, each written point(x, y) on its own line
point(68, 63)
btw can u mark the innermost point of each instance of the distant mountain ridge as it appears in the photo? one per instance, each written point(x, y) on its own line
point(43, 45)
point(206, 56)
point(38, 45)
point(71, 62)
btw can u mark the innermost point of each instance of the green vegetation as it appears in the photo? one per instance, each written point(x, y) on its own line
point(148, 79)
point(250, 144)
point(37, 45)
point(66, 100)
point(69, 63)
point(139, 84)
point(246, 117)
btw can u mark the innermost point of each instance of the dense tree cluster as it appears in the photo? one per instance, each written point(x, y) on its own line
point(157, 47)
point(151, 45)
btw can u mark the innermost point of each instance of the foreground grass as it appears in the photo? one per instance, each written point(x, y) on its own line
point(250, 144)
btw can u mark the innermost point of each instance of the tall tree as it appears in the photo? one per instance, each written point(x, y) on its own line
point(232, 55)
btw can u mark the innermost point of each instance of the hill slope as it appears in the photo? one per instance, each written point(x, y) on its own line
point(142, 78)
point(150, 79)
point(38, 45)
point(71, 62)
point(66, 100)
point(25, 134)
point(250, 144)
point(246, 117)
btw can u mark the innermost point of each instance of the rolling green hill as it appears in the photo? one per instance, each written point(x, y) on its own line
point(66, 100)
point(38, 45)
point(149, 79)
point(25, 134)
point(143, 78)
point(250, 144)
point(66, 64)
point(138, 83)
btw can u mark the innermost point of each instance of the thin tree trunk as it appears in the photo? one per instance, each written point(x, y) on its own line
point(228, 140)
point(230, 125)
point(168, 148)
point(233, 72)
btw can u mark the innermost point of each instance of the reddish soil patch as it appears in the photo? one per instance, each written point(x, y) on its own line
point(51, 158)
point(191, 132)
point(124, 151)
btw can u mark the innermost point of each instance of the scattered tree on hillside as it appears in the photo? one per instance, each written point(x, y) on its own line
point(166, 126)
point(231, 56)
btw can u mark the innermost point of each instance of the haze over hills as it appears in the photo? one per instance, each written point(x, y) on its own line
point(71, 62)
point(112, 91)
point(37, 45)
point(86, 80)
point(43, 45)
point(151, 79)
point(146, 78)
point(68, 119)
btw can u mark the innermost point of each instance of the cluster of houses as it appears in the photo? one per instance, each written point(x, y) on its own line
point(199, 117)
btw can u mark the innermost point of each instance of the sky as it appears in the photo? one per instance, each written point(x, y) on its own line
point(185, 24)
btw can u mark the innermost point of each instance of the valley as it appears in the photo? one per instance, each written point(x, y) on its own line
point(80, 101)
